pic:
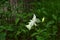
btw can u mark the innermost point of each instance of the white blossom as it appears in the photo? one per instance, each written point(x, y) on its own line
point(32, 22)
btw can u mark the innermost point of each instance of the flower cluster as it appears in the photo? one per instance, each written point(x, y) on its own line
point(32, 22)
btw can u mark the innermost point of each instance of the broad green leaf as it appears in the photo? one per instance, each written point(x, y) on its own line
point(2, 36)
point(17, 20)
point(10, 28)
point(34, 34)
point(54, 17)
point(17, 33)
point(39, 38)
point(49, 23)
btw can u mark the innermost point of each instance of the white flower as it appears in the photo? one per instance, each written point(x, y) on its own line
point(32, 22)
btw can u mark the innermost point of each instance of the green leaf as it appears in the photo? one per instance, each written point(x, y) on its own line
point(17, 33)
point(49, 23)
point(10, 28)
point(1, 28)
point(17, 20)
point(54, 17)
point(2, 36)
point(39, 38)
point(34, 34)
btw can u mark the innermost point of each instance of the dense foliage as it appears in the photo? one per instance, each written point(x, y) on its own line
point(12, 23)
